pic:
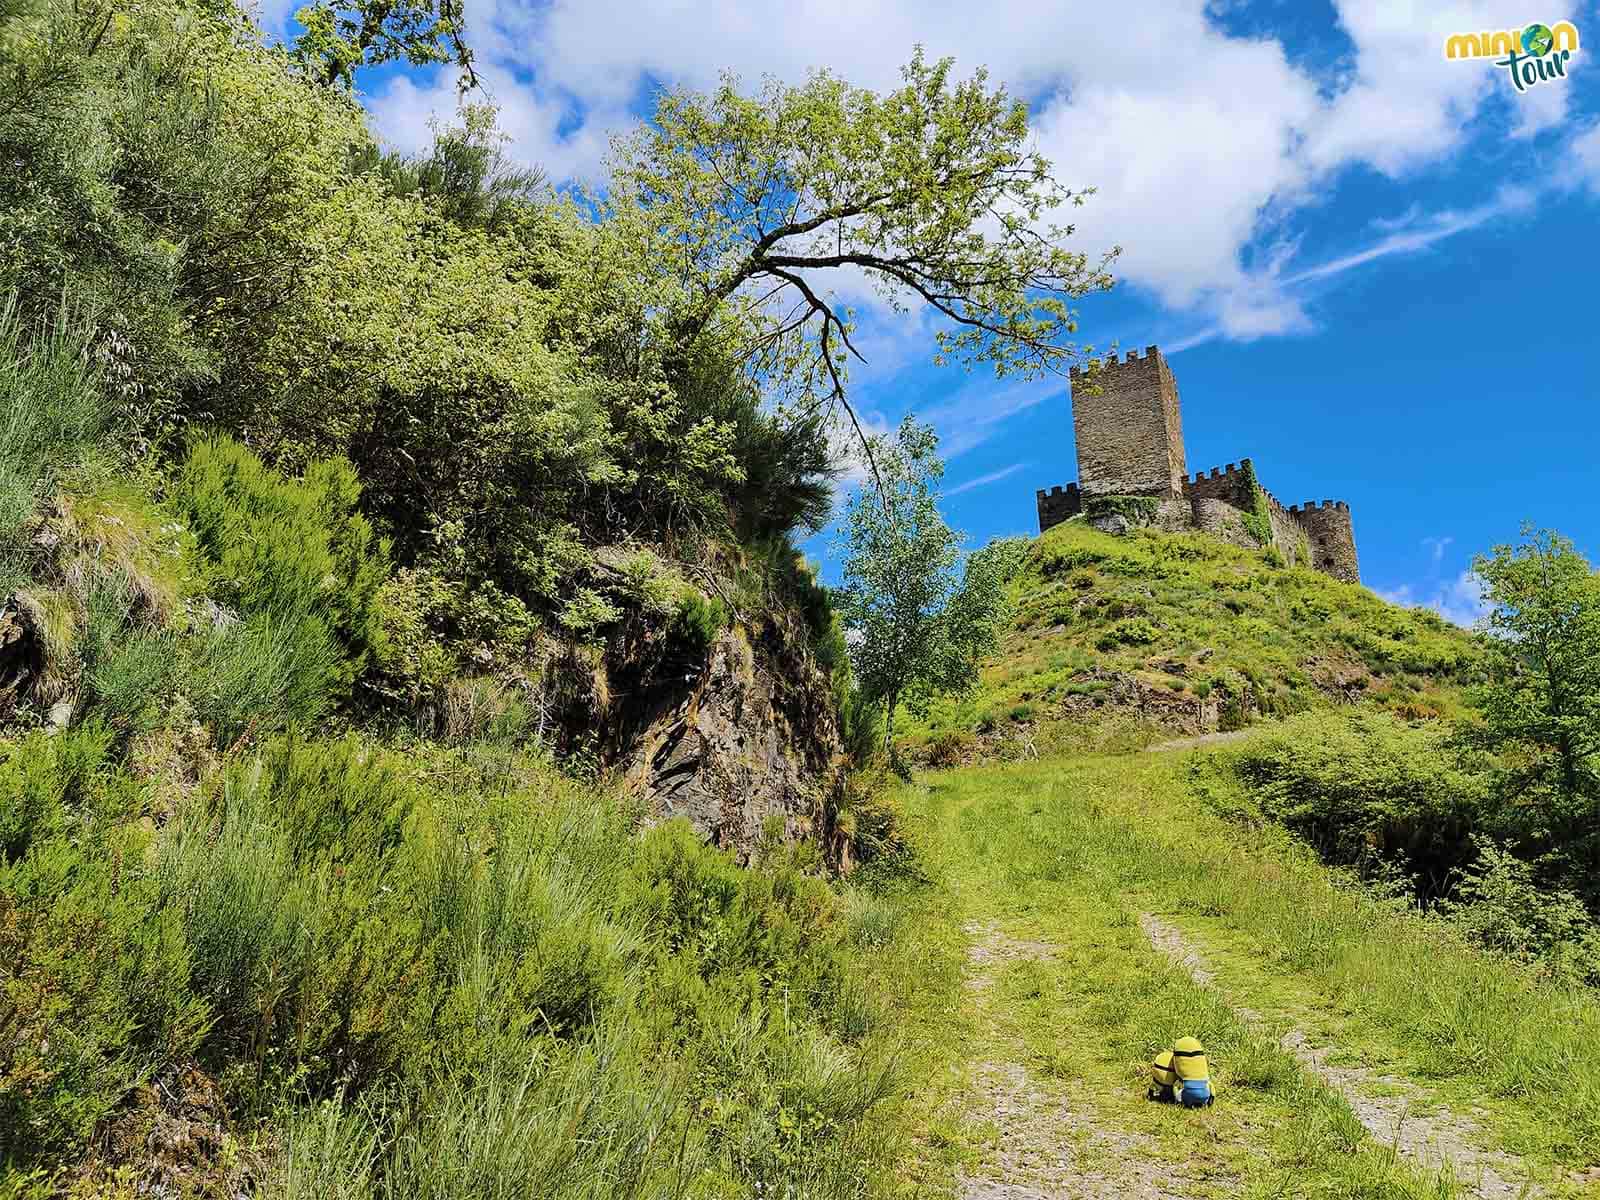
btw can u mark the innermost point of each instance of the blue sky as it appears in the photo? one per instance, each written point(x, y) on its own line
point(1372, 269)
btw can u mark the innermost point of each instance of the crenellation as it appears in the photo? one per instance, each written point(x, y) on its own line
point(1129, 428)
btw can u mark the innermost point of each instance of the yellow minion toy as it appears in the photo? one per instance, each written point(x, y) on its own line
point(1194, 1075)
point(1163, 1078)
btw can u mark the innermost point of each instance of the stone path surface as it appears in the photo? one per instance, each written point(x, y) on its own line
point(1407, 1117)
point(1204, 739)
point(1049, 1145)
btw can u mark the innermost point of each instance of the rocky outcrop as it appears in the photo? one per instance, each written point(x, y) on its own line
point(739, 736)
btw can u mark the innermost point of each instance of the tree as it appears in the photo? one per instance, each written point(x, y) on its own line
point(339, 39)
point(1545, 696)
point(916, 626)
point(929, 192)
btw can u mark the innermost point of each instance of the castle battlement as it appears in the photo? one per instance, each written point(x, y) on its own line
point(1129, 428)
point(1097, 366)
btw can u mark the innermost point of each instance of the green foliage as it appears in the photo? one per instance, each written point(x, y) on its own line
point(469, 967)
point(699, 906)
point(1544, 698)
point(92, 975)
point(468, 173)
point(1253, 501)
point(1135, 631)
point(727, 190)
point(1364, 786)
point(129, 671)
point(337, 40)
point(53, 417)
point(1136, 510)
point(302, 569)
point(1501, 904)
point(698, 619)
point(921, 629)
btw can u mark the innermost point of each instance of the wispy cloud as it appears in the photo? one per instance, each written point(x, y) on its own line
point(1414, 232)
point(985, 480)
point(1459, 600)
point(1273, 303)
point(1436, 547)
point(975, 414)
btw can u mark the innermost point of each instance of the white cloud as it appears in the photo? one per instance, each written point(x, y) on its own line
point(1402, 104)
point(985, 480)
point(1459, 600)
point(1436, 547)
point(1586, 153)
point(975, 413)
point(1203, 147)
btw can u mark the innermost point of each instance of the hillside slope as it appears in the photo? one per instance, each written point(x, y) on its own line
point(1149, 634)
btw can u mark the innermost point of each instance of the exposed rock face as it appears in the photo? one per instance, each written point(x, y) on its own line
point(21, 648)
point(739, 737)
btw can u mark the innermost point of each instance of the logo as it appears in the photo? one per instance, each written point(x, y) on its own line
point(1533, 55)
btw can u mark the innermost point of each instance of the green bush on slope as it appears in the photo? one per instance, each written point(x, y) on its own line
point(452, 962)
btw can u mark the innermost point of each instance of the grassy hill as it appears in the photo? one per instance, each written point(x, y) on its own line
point(1086, 910)
point(1127, 638)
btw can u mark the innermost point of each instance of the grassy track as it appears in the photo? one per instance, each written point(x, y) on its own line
point(1040, 871)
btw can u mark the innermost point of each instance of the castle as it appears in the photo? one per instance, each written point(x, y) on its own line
point(1131, 469)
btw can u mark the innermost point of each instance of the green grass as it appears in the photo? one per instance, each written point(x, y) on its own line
point(1068, 852)
point(1191, 618)
point(447, 974)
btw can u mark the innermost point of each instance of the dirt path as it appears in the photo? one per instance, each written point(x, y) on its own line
point(1049, 1144)
point(1395, 1111)
point(1204, 739)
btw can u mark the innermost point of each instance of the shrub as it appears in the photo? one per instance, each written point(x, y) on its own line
point(295, 552)
point(261, 674)
point(861, 722)
point(52, 414)
point(699, 620)
point(1364, 784)
point(92, 972)
point(128, 670)
point(949, 749)
point(1133, 631)
point(1500, 904)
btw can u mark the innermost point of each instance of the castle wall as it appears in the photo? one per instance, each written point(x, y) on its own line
point(1287, 535)
point(1129, 429)
point(1222, 483)
point(1130, 443)
point(1219, 518)
point(1058, 504)
point(1331, 538)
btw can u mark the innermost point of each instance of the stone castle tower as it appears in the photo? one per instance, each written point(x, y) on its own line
point(1129, 430)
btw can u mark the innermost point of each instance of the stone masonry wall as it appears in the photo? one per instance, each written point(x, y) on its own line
point(1129, 431)
point(1330, 537)
point(1058, 504)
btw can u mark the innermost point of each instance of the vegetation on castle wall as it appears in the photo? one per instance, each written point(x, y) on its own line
point(1136, 510)
point(1256, 512)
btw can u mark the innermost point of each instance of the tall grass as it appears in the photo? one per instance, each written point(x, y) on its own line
point(52, 414)
point(589, 1123)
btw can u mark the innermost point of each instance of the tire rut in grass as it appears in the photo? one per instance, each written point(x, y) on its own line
point(1050, 1145)
point(1421, 1130)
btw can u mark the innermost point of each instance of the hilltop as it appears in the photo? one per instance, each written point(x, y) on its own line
point(1153, 634)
